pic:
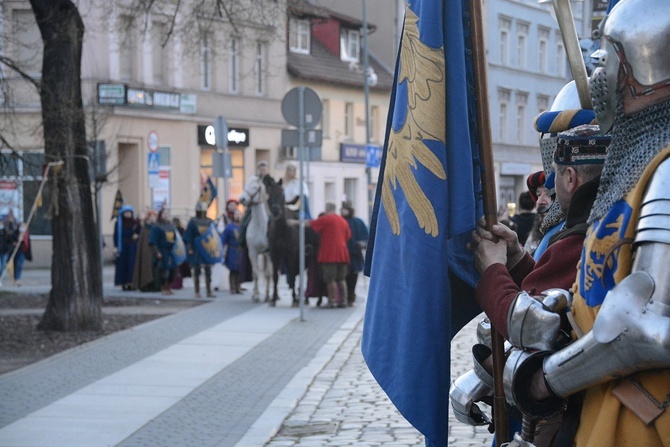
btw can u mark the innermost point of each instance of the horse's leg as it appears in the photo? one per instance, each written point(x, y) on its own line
point(267, 272)
point(253, 257)
point(275, 278)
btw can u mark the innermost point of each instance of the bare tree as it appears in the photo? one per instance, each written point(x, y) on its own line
point(76, 296)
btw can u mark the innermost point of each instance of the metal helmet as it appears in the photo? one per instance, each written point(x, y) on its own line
point(633, 59)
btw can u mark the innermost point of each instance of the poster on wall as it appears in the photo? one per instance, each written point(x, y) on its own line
point(161, 190)
point(9, 198)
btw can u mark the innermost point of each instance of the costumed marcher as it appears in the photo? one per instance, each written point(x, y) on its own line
point(126, 234)
point(540, 195)
point(145, 273)
point(356, 244)
point(24, 253)
point(225, 218)
point(333, 255)
point(183, 269)
point(291, 185)
point(513, 286)
point(162, 240)
point(232, 255)
point(524, 218)
point(202, 247)
point(620, 359)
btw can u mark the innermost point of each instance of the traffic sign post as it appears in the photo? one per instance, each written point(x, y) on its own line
point(301, 107)
point(222, 158)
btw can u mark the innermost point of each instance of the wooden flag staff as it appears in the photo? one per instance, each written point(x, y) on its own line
point(489, 203)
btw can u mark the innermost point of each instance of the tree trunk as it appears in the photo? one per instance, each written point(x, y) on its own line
point(76, 295)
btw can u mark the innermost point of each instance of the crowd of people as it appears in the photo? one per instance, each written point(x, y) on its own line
point(145, 259)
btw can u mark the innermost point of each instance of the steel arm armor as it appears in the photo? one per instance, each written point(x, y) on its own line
point(631, 332)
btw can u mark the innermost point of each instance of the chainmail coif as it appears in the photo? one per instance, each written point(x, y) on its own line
point(636, 139)
point(554, 216)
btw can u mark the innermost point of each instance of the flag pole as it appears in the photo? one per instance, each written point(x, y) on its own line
point(489, 203)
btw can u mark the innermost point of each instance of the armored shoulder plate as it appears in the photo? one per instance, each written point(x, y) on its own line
point(654, 223)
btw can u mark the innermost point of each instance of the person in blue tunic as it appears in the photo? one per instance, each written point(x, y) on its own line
point(355, 245)
point(126, 234)
point(231, 251)
point(197, 227)
point(161, 241)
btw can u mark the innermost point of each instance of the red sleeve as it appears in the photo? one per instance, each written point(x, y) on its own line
point(522, 268)
point(317, 225)
point(557, 267)
point(495, 292)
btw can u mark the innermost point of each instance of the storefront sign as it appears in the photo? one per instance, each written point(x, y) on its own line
point(237, 136)
point(353, 153)
point(111, 94)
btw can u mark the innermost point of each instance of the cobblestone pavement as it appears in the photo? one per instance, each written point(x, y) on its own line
point(345, 406)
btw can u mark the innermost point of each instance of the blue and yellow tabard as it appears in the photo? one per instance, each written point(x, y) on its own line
point(606, 260)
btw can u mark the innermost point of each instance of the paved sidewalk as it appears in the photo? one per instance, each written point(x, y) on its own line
point(227, 373)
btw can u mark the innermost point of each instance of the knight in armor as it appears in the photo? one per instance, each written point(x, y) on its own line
point(620, 356)
point(196, 228)
point(521, 296)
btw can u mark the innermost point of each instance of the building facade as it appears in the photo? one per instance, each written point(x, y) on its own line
point(151, 100)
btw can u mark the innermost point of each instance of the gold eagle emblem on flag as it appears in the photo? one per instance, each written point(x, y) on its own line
point(422, 68)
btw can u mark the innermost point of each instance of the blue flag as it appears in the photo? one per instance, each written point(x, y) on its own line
point(428, 200)
point(207, 192)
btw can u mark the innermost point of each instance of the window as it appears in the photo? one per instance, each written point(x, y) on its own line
point(521, 101)
point(259, 68)
point(520, 122)
point(127, 49)
point(205, 62)
point(325, 118)
point(350, 187)
point(28, 41)
point(503, 101)
point(542, 50)
point(542, 103)
point(234, 65)
point(560, 59)
point(158, 53)
point(21, 178)
point(349, 46)
point(522, 33)
point(374, 123)
point(299, 34)
point(504, 26)
point(349, 120)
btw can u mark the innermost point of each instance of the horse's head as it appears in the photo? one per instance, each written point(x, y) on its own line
point(254, 192)
point(275, 192)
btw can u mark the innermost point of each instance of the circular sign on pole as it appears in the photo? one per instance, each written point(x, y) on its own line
point(152, 141)
point(311, 106)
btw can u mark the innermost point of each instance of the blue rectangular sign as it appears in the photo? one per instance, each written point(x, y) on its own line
point(373, 156)
point(353, 153)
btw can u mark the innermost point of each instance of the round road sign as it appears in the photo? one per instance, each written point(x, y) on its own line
point(152, 141)
point(290, 107)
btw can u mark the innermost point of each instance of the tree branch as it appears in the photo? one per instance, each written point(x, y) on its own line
point(11, 64)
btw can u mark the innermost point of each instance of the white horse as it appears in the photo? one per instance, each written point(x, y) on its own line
point(255, 198)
